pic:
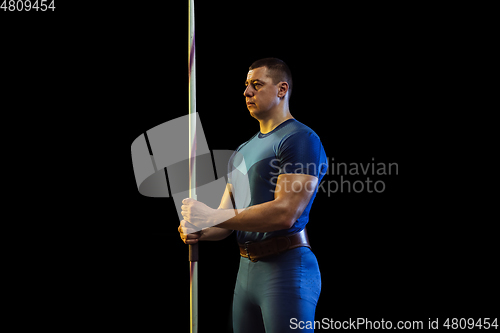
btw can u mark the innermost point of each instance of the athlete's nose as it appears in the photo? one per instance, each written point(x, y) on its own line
point(248, 91)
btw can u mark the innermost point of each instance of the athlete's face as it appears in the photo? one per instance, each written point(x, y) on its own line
point(261, 94)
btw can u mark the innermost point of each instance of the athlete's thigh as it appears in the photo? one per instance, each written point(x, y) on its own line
point(280, 314)
point(247, 316)
point(293, 292)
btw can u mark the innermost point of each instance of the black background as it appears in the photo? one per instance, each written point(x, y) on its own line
point(366, 80)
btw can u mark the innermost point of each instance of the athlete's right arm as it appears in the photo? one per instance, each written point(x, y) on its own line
point(212, 233)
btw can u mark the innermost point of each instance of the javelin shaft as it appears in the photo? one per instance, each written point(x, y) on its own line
point(192, 104)
point(193, 249)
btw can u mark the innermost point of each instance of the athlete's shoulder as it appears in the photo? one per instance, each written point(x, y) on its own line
point(298, 137)
point(295, 128)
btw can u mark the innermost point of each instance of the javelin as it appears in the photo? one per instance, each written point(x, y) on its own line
point(193, 248)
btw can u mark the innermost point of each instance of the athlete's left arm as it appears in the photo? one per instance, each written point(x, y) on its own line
point(292, 195)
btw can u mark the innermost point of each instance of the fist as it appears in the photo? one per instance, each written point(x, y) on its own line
point(198, 215)
point(187, 233)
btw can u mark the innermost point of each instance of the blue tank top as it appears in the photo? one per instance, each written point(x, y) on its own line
point(253, 170)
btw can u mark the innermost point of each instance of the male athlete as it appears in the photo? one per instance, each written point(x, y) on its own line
point(278, 277)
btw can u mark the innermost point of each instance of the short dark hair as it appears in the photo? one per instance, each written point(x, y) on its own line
point(277, 70)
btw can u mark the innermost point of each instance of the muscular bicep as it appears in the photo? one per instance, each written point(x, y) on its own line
point(295, 191)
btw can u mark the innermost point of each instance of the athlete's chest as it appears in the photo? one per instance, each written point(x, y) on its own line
point(257, 152)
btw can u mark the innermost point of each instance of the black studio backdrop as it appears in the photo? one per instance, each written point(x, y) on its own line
point(361, 82)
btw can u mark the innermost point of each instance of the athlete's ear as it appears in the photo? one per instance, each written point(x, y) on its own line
point(282, 89)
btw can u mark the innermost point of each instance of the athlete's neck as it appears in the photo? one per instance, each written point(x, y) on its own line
point(269, 123)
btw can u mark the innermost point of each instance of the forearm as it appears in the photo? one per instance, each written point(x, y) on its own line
point(265, 217)
point(214, 234)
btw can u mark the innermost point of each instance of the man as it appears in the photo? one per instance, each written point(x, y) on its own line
point(278, 277)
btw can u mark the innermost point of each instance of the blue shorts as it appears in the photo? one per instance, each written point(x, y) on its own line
point(272, 291)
